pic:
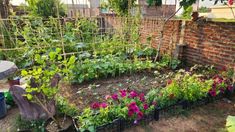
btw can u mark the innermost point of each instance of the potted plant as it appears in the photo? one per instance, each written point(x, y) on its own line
point(37, 100)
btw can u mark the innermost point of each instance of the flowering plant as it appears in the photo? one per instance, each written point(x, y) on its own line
point(124, 104)
point(220, 85)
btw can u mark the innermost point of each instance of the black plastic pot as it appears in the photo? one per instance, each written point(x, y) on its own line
point(228, 93)
point(156, 114)
point(114, 126)
point(3, 109)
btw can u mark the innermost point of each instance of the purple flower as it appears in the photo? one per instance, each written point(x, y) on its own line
point(123, 93)
point(136, 122)
point(133, 94)
point(145, 106)
point(95, 105)
point(103, 105)
point(115, 96)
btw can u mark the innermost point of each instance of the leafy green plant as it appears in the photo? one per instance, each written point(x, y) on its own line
point(46, 8)
point(121, 6)
point(43, 78)
point(193, 88)
point(64, 107)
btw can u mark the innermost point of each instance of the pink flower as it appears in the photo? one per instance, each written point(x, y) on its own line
point(133, 94)
point(95, 105)
point(130, 113)
point(140, 115)
point(212, 92)
point(107, 97)
point(132, 108)
point(145, 106)
point(103, 105)
point(123, 93)
point(230, 2)
point(141, 97)
point(115, 97)
point(169, 82)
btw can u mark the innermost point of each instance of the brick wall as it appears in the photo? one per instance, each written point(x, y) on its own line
point(206, 42)
point(210, 43)
point(150, 28)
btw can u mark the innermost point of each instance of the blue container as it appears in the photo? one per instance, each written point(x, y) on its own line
point(3, 109)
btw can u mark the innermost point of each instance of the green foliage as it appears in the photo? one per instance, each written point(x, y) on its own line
point(64, 107)
point(183, 87)
point(46, 67)
point(187, 12)
point(9, 98)
point(154, 2)
point(37, 36)
point(193, 88)
point(121, 7)
point(46, 8)
point(230, 123)
point(203, 10)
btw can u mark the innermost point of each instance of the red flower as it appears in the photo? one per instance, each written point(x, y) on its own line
point(95, 105)
point(103, 105)
point(115, 97)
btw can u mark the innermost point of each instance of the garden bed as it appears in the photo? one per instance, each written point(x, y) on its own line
point(84, 94)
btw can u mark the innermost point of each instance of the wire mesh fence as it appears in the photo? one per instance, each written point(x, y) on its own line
point(21, 37)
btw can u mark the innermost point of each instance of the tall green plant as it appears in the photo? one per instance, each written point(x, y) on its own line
point(121, 7)
point(46, 8)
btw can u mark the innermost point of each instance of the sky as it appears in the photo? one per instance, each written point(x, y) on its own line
point(206, 3)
